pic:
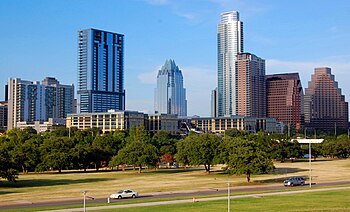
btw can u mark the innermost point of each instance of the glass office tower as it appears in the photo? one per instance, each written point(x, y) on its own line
point(170, 94)
point(100, 71)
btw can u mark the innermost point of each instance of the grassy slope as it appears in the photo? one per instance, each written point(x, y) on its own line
point(33, 187)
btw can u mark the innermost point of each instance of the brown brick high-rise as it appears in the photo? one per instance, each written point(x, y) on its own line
point(284, 97)
point(324, 105)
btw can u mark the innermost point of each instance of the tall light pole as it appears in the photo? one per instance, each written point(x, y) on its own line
point(228, 197)
point(84, 192)
point(310, 172)
point(310, 163)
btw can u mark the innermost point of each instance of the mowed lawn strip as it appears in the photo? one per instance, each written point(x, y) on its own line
point(317, 201)
point(68, 185)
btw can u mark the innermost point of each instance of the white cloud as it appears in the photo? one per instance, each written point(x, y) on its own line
point(149, 77)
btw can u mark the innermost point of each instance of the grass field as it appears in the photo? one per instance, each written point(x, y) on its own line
point(318, 201)
point(49, 186)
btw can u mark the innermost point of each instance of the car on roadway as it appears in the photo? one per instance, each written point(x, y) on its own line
point(127, 193)
point(293, 181)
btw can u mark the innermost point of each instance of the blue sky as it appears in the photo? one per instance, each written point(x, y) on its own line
point(39, 39)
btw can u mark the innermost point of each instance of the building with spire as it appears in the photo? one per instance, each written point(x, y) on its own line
point(170, 94)
point(324, 105)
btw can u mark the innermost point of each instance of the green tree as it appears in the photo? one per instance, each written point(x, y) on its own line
point(81, 155)
point(244, 157)
point(166, 146)
point(55, 153)
point(204, 150)
point(27, 154)
point(235, 133)
point(138, 154)
point(198, 150)
point(8, 168)
point(138, 151)
point(103, 149)
point(184, 149)
point(285, 149)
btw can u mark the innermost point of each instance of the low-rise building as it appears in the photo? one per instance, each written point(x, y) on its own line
point(106, 121)
point(123, 120)
point(220, 124)
point(40, 126)
point(165, 122)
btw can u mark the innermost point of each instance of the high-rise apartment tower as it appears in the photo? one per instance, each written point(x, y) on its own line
point(100, 71)
point(230, 43)
point(31, 101)
point(170, 94)
point(251, 96)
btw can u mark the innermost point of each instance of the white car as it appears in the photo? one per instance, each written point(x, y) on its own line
point(124, 194)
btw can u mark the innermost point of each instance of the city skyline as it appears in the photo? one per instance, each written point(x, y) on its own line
point(291, 37)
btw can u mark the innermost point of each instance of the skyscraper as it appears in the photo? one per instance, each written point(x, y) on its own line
point(284, 99)
point(100, 71)
point(251, 96)
point(230, 43)
point(324, 105)
point(31, 101)
point(170, 94)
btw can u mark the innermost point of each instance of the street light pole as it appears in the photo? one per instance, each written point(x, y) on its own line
point(310, 162)
point(84, 192)
point(228, 197)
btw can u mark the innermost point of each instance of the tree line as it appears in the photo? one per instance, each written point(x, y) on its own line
point(65, 149)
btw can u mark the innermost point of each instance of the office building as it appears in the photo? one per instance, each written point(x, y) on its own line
point(284, 99)
point(251, 96)
point(230, 43)
point(123, 120)
point(30, 101)
point(100, 71)
point(324, 105)
point(170, 94)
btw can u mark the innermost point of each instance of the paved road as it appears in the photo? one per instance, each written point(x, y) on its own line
point(30, 204)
